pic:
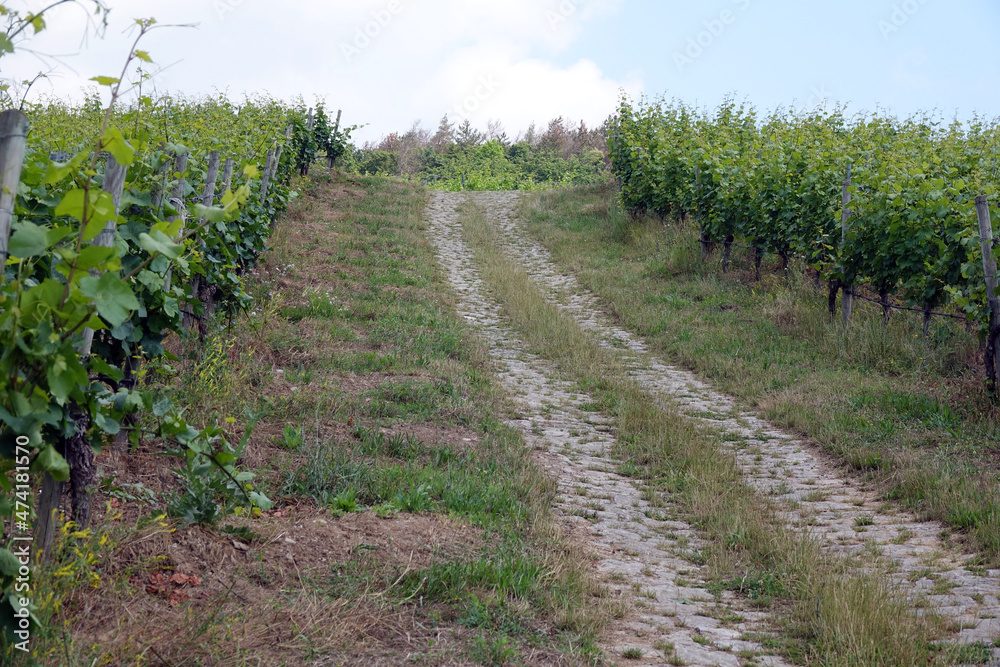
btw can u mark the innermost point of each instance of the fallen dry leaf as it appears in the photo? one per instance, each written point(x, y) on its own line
point(177, 597)
point(185, 579)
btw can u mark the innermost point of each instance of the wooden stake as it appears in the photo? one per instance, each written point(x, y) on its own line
point(177, 195)
point(265, 178)
point(845, 219)
point(159, 185)
point(207, 198)
point(281, 148)
point(990, 270)
point(227, 175)
point(114, 184)
point(211, 177)
point(309, 128)
point(177, 200)
point(330, 159)
point(13, 138)
point(45, 525)
point(701, 230)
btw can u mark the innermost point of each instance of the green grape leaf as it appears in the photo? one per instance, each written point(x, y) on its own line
point(109, 426)
point(120, 149)
point(65, 374)
point(210, 213)
point(105, 80)
point(9, 565)
point(102, 367)
point(112, 297)
point(51, 461)
point(29, 240)
point(57, 171)
point(158, 242)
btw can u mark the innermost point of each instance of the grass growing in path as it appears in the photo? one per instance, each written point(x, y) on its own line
point(909, 412)
point(841, 615)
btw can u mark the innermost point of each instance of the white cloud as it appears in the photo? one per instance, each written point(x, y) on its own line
point(494, 84)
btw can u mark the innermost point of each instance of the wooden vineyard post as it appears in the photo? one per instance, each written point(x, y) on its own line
point(13, 139)
point(114, 184)
point(701, 230)
point(330, 159)
point(990, 270)
point(211, 177)
point(227, 175)
point(177, 201)
point(309, 128)
point(265, 178)
point(207, 198)
point(209, 292)
point(159, 185)
point(726, 253)
point(844, 226)
point(277, 154)
point(271, 169)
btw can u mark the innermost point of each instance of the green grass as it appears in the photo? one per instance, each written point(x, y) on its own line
point(388, 293)
point(910, 413)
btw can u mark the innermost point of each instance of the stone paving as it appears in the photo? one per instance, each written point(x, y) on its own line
point(646, 557)
point(817, 498)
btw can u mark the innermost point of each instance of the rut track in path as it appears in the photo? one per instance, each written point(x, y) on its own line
point(836, 510)
point(640, 550)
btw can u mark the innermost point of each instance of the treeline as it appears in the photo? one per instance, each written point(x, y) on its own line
point(461, 154)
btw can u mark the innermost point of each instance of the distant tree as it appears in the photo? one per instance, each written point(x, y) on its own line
point(378, 162)
point(519, 152)
point(557, 139)
point(530, 136)
point(445, 135)
point(468, 136)
point(495, 132)
point(409, 153)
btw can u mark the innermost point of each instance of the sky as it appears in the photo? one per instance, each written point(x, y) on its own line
point(391, 63)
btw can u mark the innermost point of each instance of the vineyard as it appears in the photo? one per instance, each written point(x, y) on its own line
point(267, 398)
point(122, 225)
point(871, 203)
